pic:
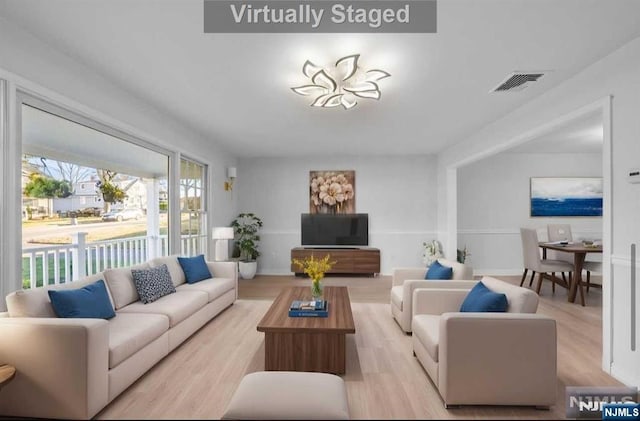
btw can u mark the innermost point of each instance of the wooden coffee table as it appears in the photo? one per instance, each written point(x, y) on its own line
point(307, 343)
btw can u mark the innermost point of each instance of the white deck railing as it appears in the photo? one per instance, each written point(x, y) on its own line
point(61, 264)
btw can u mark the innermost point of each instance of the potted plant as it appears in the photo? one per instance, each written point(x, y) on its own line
point(246, 227)
point(432, 251)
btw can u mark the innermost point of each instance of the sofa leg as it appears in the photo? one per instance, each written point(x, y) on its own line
point(414, 354)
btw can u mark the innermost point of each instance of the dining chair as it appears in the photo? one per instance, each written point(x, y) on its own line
point(533, 262)
point(591, 267)
point(559, 232)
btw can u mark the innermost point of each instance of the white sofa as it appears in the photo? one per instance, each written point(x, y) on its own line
point(72, 368)
point(486, 358)
point(406, 280)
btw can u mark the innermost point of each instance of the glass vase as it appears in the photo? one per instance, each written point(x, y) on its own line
point(316, 289)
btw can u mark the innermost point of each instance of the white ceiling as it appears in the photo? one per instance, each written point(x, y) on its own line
point(582, 135)
point(234, 88)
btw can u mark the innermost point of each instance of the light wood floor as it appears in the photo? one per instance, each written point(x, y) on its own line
point(383, 379)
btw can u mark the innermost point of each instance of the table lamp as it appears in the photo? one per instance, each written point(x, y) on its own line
point(222, 235)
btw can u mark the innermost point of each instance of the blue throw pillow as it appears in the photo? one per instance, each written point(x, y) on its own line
point(482, 299)
point(90, 301)
point(438, 271)
point(195, 268)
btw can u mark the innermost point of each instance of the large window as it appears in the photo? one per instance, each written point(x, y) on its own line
point(91, 200)
point(193, 211)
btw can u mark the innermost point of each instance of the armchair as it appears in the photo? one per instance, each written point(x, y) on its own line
point(486, 358)
point(406, 280)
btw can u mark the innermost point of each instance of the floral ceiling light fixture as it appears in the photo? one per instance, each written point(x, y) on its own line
point(342, 85)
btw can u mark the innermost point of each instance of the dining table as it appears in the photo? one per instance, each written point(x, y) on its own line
point(579, 251)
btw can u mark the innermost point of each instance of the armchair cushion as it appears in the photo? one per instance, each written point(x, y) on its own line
point(439, 271)
point(426, 328)
point(396, 296)
point(482, 299)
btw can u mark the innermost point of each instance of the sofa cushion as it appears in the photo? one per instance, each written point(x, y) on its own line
point(176, 307)
point(396, 296)
point(36, 302)
point(438, 271)
point(177, 275)
point(130, 332)
point(214, 287)
point(89, 302)
point(195, 268)
point(482, 299)
point(426, 327)
point(120, 283)
point(153, 283)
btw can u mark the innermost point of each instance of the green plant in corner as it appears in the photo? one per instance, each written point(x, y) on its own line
point(246, 227)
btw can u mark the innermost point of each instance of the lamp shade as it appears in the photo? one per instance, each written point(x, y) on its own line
point(223, 233)
point(231, 172)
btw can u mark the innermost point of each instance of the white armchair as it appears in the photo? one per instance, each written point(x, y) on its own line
point(486, 358)
point(406, 280)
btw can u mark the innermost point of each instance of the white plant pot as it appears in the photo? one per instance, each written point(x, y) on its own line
point(248, 269)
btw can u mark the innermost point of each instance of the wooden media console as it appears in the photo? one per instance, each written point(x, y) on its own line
point(355, 260)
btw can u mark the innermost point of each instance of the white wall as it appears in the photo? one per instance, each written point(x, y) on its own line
point(28, 63)
point(618, 76)
point(493, 203)
point(398, 193)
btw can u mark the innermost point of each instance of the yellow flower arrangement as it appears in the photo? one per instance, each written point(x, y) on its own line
point(315, 269)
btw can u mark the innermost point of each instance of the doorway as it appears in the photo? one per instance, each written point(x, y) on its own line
point(524, 143)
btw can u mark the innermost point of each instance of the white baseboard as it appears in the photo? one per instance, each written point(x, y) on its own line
point(276, 272)
point(497, 272)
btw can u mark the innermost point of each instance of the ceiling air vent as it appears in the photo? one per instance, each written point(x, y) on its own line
point(518, 81)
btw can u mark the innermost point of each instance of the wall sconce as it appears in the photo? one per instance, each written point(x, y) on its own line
point(231, 175)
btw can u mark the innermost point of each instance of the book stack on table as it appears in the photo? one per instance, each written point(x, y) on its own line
point(311, 308)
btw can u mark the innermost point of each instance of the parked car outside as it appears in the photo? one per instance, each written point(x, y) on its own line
point(91, 211)
point(122, 215)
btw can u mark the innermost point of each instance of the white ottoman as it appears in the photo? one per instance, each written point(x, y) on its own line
point(289, 395)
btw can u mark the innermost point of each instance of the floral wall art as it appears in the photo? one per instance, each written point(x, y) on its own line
point(332, 192)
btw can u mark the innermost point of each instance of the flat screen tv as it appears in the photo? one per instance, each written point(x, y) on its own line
point(335, 230)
